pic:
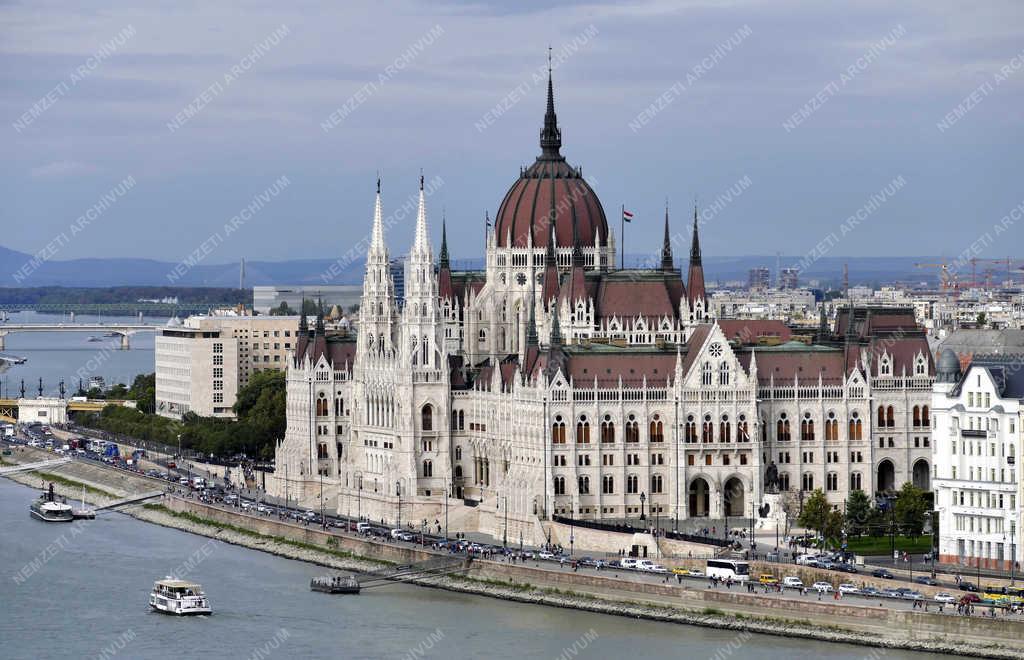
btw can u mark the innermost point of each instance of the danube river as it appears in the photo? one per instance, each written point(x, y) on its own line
point(80, 590)
point(53, 356)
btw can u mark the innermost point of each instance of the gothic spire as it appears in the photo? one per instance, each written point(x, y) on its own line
point(377, 234)
point(695, 246)
point(303, 325)
point(550, 135)
point(421, 245)
point(443, 258)
point(319, 329)
point(556, 327)
point(666, 246)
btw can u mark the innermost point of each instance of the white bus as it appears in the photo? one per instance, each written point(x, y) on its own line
point(725, 569)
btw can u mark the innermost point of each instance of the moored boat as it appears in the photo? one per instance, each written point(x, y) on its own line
point(48, 509)
point(337, 584)
point(178, 597)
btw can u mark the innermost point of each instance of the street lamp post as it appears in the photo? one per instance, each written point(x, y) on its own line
point(323, 521)
point(572, 524)
point(359, 499)
point(398, 492)
point(504, 534)
point(643, 497)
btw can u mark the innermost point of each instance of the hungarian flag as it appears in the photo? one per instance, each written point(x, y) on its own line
point(627, 215)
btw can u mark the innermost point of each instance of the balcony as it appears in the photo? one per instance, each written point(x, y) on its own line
point(973, 433)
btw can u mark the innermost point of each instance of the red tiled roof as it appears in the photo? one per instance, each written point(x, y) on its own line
point(629, 299)
point(631, 366)
point(784, 366)
point(748, 332)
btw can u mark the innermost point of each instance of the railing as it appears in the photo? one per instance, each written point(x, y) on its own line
point(973, 433)
point(629, 529)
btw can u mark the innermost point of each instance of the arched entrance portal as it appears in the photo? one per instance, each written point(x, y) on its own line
point(700, 498)
point(886, 481)
point(922, 475)
point(733, 500)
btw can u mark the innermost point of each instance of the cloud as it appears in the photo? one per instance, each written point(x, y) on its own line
point(61, 168)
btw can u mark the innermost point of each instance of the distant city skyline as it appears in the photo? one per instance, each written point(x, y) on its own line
point(783, 122)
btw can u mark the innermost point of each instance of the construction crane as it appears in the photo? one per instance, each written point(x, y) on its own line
point(1009, 263)
point(947, 281)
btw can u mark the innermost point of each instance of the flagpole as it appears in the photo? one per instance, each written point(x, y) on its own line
point(622, 256)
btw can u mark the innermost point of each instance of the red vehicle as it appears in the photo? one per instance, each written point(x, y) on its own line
point(970, 598)
point(171, 465)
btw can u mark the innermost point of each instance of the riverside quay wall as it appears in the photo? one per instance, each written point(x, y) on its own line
point(896, 627)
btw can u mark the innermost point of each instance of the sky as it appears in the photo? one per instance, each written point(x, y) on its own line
point(787, 122)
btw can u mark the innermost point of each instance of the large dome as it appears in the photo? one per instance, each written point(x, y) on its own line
point(550, 183)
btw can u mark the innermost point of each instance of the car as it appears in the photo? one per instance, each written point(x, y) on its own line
point(968, 586)
point(408, 536)
point(696, 572)
point(644, 564)
point(767, 579)
point(545, 554)
point(627, 562)
point(846, 567)
point(847, 588)
point(870, 592)
point(183, 481)
point(924, 579)
point(680, 570)
point(822, 587)
point(792, 582)
point(971, 598)
point(944, 597)
point(913, 595)
point(882, 573)
point(657, 568)
point(826, 564)
point(309, 515)
point(807, 560)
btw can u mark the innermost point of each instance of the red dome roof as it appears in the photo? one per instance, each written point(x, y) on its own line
point(550, 184)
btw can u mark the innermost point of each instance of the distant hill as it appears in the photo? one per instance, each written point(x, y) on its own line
point(105, 272)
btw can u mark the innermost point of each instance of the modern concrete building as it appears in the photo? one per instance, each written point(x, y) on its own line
point(977, 411)
point(201, 364)
point(759, 279)
point(266, 298)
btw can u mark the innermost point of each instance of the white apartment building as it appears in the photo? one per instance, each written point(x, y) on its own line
point(977, 417)
point(201, 364)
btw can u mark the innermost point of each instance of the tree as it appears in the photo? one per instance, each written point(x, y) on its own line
point(982, 319)
point(910, 507)
point(859, 513)
point(143, 390)
point(282, 310)
point(815, 513)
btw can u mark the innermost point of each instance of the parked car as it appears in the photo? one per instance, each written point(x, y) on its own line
point(882, 573)
point(870, 592)
point(628, 562)
point(913, 595)
point(822, 587)
point(807, 560)
point(924, 579)
point(680, 570)
point(792, 582)
point(891, 593)
point(544, 554)
point(767, 579)
point(944, 597)
point(847, 588)
point(846, 567)
point(968, 586)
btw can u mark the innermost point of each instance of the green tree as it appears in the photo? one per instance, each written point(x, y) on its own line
point(143, 390)
point(859, 513)
point(282, 310)
point(815, 514)
point(910, 507)
point(982, 319)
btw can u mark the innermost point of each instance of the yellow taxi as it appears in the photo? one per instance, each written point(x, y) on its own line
point(767, 579)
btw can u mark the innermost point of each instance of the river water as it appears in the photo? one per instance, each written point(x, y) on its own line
point(80, 590)
point(53, 356)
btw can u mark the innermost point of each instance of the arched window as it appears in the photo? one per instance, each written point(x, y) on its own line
point(657, 430)
point(807, 482)
point(725, 429)
point(881, 416)
point(428, 468)
point(832, 481)
point(584, 484)
point(608, 485)
point(707, 431)
point(632, 430)
point(321, 405)
point(705, 376)
point(632, 484)
point(558, 431)
point(582, 431)
point(723, 373)
point(917, 416)
point(427, 418)
point(742, 433)
point(782, 429)
point(458, 452)
point(856, 427)
point(321, 451)
point(831, 428)
point(807, 427)
point(691, 429)
point(607, 429)
point(925, 421)
point(890, 417)
point(559, 485)
point(458, 471)
point(655, 483)
point(855, 481)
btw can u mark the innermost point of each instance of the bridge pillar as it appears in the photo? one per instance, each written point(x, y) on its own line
point(124, 342)
point(3, 335)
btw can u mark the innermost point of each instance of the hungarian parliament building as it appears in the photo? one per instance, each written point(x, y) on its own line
point(555, 383)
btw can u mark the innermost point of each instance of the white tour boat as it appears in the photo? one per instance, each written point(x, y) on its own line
point(172, 596)
point(49, 509)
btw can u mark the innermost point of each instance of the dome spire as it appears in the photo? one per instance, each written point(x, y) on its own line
point(550, 135)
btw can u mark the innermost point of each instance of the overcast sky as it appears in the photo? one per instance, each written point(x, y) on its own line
point(817, 107)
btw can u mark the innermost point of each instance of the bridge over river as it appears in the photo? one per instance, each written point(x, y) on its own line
point(122, 330)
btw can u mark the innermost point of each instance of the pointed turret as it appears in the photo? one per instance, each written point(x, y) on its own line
point(550, 290)
point(556, 328)
point(696, 294)
point(377, 233)
point(444, 273)
point(421, 244)
point(303, 324)
point(377, 306)
point(666, 246)
point(319, 329)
